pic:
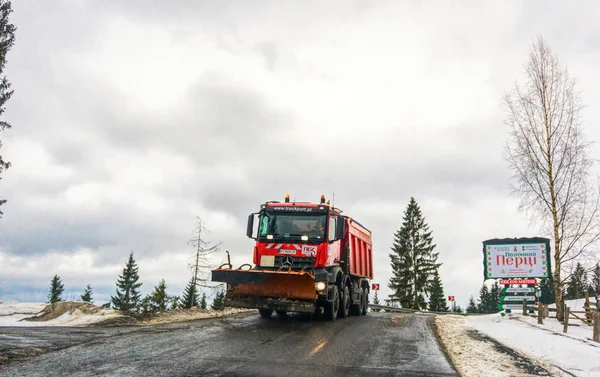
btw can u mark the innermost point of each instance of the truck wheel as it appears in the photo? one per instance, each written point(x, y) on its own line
point(365, 307)
point(331, 308)
point(356, 309)
point(344, 303)
point(265, 313)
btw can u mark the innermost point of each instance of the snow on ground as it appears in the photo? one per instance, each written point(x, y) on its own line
point(21, 308)
point(14, 315)
point(573, 353)
point(473, 357)
point(11, 314)
point(543, 342)
point(74, 314)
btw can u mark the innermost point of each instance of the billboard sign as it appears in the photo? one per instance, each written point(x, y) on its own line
point(516, 258)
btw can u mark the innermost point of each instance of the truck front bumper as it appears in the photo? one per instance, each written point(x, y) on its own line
point(277, 304)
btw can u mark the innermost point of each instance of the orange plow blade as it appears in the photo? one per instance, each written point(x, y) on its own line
point(279, 290)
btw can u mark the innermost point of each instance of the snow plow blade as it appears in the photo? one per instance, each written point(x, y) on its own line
point(292, 291)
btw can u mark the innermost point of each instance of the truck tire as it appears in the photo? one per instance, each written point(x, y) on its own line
point(265, 313)
point(365, 307)
point(356, 308)
point(332, 308)
point(344, 311)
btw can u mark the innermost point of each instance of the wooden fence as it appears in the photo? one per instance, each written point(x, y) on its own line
point(590, 316)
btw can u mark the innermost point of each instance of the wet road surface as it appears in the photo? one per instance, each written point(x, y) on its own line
point(374, 345)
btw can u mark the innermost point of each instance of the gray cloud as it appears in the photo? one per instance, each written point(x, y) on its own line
point(109, 159)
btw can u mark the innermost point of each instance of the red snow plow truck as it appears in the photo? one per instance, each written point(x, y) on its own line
point(307, 256)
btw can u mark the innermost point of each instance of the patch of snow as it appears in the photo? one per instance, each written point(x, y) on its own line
point(21, 308)
point(546, 342)
point(14, 315)
point(577, 304)
point(472, 357)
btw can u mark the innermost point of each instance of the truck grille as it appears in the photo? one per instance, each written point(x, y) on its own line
point(297, 263)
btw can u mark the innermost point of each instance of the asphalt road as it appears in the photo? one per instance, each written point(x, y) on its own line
point(374, 345)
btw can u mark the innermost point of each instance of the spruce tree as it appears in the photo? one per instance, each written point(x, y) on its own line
point(472, 308)
point(413, 260)
point(595, 283)
point(437, 299)
point(203, 301)
point(547, 290)
point(494, 298)
point(484, 299)
point(159, 297)
point(87, 295)
point(190, 296)
point(56, 290)
point(127, 294)
point(7, 40)
point(173, 302)
point(577, 285)
point(219, 301)
point(456, 308)
point(376, 299)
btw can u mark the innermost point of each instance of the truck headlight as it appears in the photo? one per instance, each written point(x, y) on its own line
point(320, 286)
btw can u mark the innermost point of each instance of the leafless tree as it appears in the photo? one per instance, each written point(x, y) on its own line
point(547, 151)
point(203, 250)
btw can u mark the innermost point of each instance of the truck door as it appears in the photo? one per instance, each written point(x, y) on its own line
point(333, 246)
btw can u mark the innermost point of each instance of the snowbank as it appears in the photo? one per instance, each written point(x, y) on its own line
point(11, 314)
point(572, 352)
point(473, 355)
point(70, 313)
point(63, 313)
point(21, 308)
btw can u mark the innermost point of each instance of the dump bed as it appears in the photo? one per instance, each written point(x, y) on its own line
point(360, 249)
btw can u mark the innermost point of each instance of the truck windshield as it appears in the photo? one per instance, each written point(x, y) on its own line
point(292, 226)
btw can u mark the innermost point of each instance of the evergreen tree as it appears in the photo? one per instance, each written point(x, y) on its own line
point(56, 290)
point(147, 305)
point(128, 296)
point(87, 295)
point(413, 260)
point(577, 285)
point(547, 290)
point(203, 301)
point(219, 301)
point(376, 299)
point(190, 295)
point(494, 299)
point(472, 308)
point(484, 299)
point(159, 297)
point(456, 308)
point(173, 302)
point(437, 300)
point(7, 40)
point(595, 283)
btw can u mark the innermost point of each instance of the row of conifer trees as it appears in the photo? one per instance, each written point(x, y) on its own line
point(128, 297)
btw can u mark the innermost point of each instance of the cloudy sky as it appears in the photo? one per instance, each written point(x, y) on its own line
point(131, 118)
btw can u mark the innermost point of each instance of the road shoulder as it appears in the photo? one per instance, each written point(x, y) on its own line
point(475, 354)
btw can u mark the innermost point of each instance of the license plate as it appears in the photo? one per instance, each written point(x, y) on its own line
point(267, 261)
point(287, 251)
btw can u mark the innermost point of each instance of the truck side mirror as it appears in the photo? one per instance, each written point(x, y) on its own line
point(250, 227)
point(340, 228)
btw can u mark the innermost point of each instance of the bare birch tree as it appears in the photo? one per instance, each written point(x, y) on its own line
point(201, 263)
point(547, 151)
